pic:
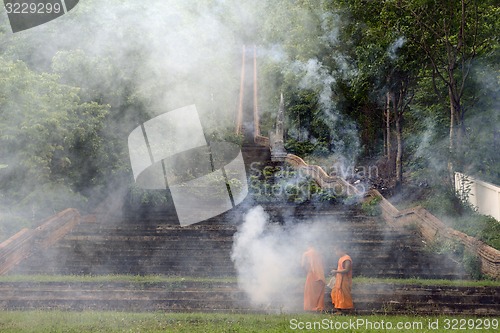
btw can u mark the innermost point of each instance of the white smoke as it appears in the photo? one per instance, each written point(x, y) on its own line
point(263, 267)
point(395, 46)
point(267, 258)
point(316, 76)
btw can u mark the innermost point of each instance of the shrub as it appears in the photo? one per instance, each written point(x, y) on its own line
point(472, 265)
point(371, 206)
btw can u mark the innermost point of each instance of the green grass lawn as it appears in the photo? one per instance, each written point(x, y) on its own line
point(201, 281)
point(87, 321)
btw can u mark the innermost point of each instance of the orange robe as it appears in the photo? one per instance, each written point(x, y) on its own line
point(341, 293)
point(314, 289)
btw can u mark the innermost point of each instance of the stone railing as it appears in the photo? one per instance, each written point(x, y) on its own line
point(321, 177)
point(56, 227)
point(15, 249)
point(433, 228)
point(27, 241)
point(258, 138)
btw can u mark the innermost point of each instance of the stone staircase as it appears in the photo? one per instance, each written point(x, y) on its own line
point(152, 243)
point(155, 244)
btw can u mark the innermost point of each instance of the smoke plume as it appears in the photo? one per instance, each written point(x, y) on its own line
point(267, 257)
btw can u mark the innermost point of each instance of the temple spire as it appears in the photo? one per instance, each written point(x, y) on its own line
point(278, 152)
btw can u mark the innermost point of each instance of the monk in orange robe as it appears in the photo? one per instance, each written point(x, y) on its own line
point(341, 292)
point(314, 289)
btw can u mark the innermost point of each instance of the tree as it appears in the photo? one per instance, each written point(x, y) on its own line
point(452, 33)
point(387, 71)
point(41, 124)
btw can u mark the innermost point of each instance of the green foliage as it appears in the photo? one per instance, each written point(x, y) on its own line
point(442, 202)
point(46, 134)
point(11, 224)
point(446, 246)
point(138, 197)
point(472, 264)
point(309, 128)
point(44, 200)
point(485, 228)
point(457, 251)
point(371, 206)
point(50, 198)
point(481, 158)
point(226, 135)
point(95, 76)
point(299, 148)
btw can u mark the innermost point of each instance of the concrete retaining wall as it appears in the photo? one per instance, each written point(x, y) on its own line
point(482, 195)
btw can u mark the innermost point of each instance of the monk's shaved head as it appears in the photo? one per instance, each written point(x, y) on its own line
point(339, 248)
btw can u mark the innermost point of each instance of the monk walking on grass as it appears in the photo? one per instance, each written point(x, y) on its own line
point(341, 292)
point(314, 289)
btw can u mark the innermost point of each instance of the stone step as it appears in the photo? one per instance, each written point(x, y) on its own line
point(146, 267)
point(178, 247)
point(363, 266)
point(415, 296)
point(362, 231)
point(200, 270)
point(162, 242)
point(236, 219)
point(374, 229)
point(214, 297)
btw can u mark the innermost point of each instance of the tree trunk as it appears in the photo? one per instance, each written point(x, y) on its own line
point(388, 126)
point(457, 129)
point(399, 153)
point(451, 146)
point(384, 135)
